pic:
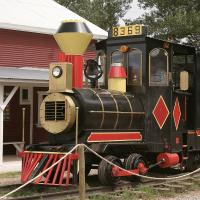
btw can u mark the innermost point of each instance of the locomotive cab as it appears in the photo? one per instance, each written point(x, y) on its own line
point(162, 74)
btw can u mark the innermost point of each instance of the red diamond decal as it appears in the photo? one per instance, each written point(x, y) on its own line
point(176, 113)
point(160, 112)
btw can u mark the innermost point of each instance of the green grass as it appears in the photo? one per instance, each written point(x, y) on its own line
point(143, 192)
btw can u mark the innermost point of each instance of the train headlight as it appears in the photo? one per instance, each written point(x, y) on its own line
point(57, 71)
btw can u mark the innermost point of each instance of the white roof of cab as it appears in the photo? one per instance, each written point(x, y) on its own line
point(40, 16)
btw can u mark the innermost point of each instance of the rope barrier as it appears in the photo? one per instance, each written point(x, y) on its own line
point(101, 157)
point(139, 175)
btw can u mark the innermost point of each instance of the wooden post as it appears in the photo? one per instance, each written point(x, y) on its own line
point(23, 123)
point(81, 172)
point(76, 139)
point(75, 162)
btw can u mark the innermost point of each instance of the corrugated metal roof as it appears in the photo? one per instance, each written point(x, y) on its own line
point(26, 74)
point(39, 16)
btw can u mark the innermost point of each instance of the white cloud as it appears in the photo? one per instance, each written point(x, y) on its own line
point(134, 12)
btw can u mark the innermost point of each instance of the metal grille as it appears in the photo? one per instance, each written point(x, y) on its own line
point(55, 110)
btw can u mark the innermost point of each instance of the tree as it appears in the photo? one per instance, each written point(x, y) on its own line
point(174, 19)
point(103, 13)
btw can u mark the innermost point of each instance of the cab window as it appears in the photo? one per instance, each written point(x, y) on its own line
point(117, 57)
point(182, 63)
point(158, 67)
point(134, 71)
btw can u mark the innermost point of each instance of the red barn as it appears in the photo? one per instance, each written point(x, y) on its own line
point(26, 48)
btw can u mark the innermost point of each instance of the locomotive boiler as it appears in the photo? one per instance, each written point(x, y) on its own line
point(100, 110)
point(145, 114)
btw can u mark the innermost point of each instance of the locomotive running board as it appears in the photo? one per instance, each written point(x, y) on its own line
point(34, 163)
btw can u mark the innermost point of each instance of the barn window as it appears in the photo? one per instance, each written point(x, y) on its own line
point(6, 113)
point(182, 63)
point(25, 95)
point(117, 57)
point(134, 67)
point(158, 67)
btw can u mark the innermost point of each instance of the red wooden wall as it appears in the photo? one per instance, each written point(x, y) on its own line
point(24, 49)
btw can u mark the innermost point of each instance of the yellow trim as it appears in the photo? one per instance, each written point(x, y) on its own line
point(117, 109)
point(180, 113)
point(102, 106)
point(130, 108)
point(72, 20)
point(155, 116)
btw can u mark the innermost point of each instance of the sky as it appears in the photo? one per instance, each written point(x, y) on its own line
point(134, 12)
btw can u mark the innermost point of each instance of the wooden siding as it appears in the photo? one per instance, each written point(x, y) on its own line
point(23, 49)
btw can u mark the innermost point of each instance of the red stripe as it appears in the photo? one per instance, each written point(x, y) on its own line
point(114, 136)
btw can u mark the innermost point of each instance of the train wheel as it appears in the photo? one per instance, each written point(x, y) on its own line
point(132, 162)
point(105, 171)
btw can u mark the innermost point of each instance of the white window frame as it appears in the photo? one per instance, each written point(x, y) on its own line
point(28, 101)
point(40, 99)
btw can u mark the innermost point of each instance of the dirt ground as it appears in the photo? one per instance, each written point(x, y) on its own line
point(193, 195)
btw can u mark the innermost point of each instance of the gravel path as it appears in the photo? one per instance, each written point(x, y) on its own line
point(193, 195)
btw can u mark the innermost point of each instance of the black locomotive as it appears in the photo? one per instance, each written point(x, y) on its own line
point(146, 111)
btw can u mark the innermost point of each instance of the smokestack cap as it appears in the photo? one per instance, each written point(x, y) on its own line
point(73, 26)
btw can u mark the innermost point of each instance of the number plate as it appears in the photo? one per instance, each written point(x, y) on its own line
point(126, 30)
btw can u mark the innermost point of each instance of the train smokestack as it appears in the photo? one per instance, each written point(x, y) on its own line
point(73, 37)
